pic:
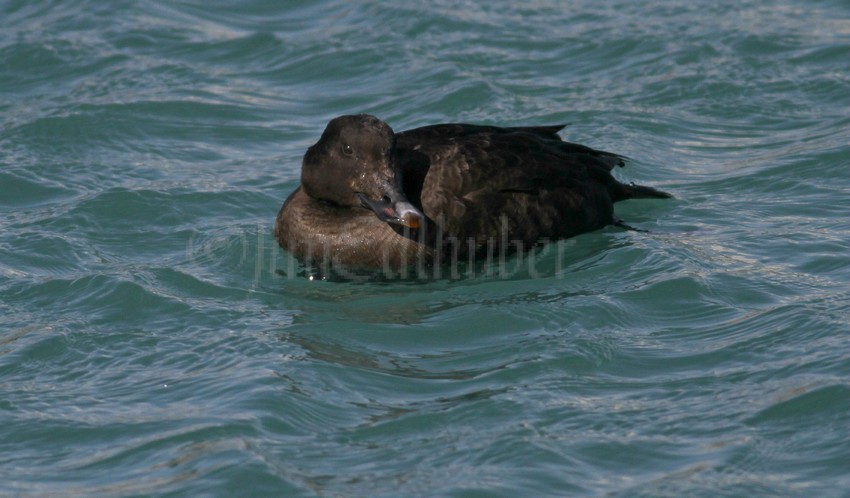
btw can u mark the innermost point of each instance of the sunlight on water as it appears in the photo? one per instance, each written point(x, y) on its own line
point(155, 340)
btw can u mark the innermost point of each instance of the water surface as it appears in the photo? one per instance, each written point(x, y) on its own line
point(153, 340)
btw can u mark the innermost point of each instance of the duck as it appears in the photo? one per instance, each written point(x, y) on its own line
point(372, 199)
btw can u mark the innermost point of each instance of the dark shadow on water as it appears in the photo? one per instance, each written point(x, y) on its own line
point(546, 260)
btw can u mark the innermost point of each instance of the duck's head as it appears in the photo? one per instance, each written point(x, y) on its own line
point(353, 165)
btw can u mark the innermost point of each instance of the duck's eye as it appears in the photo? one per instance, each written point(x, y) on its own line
point(347, 150)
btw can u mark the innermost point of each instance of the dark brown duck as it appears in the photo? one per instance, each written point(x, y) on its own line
point(373, 199)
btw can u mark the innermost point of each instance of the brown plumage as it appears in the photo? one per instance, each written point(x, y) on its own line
point(372, 199)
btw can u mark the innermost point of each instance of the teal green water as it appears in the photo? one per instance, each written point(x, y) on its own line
point(154, 341)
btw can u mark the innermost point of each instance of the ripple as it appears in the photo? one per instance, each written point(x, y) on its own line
point(156, 340)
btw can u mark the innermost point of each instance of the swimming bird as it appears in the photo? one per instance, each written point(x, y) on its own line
point(372, 199)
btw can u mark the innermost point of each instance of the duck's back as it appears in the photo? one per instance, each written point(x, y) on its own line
point(518, 184)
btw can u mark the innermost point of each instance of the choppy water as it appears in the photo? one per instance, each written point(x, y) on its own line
point(152, 341)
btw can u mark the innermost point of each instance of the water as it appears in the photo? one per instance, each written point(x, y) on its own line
point(155, 341)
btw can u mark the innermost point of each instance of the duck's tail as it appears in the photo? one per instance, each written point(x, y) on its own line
point(632, 191)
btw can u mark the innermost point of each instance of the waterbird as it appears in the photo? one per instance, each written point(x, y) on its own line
point(372, 199)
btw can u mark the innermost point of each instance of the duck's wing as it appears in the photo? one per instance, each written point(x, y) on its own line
point(448, 131)
point(462, 158)
point(430, 139)
point(471, 179)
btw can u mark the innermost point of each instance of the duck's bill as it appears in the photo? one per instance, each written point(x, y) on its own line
point(398, 213)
